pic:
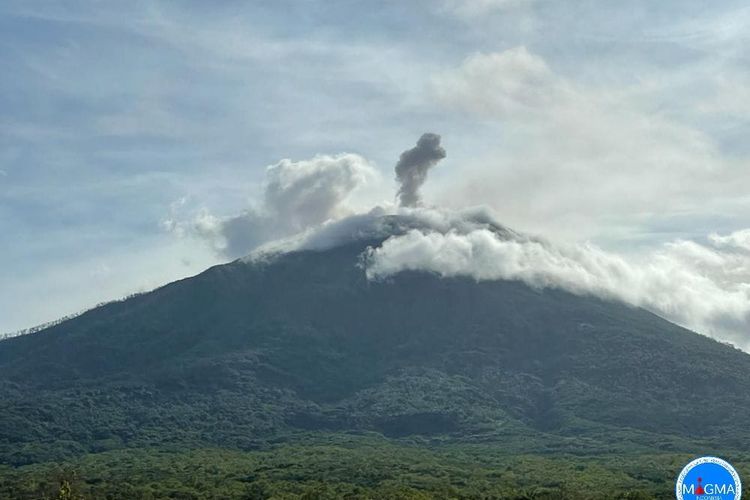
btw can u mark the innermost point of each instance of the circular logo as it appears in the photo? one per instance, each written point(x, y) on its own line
point(708, 478)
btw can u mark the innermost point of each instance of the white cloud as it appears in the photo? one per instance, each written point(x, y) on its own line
point(737, 239)
point(704, 288)
point(379, 223)
point(297, 195)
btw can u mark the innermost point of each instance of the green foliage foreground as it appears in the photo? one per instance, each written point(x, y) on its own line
point(354, 467)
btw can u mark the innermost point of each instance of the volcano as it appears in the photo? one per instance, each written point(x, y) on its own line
point(262, 351)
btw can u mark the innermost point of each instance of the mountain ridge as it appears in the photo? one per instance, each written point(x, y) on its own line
point(250, 352)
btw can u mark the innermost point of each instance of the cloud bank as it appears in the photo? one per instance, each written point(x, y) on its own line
point(703, 287)
point(380, 223)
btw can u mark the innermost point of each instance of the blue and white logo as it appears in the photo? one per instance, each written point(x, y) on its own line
point(708, 478)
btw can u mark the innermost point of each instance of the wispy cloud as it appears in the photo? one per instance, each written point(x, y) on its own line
point(581, 156)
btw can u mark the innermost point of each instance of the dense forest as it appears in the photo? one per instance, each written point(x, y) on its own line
point(354, 467)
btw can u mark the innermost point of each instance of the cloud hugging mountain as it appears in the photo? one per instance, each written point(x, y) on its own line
point(704, 286)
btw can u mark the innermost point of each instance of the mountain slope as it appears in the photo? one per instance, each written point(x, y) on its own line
point(246, 354)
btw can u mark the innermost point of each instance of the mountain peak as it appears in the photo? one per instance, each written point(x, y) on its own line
point(381, 223)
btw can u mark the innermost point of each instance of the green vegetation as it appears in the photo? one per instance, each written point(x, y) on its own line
point(355, 467)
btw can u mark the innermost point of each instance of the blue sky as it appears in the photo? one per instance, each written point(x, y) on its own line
point(620, 123)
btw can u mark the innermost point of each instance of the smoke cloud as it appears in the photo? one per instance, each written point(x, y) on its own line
point(413, 165)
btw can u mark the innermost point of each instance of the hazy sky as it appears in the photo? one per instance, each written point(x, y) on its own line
point(625, 124)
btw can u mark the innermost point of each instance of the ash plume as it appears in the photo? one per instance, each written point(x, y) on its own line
point(413, 165)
